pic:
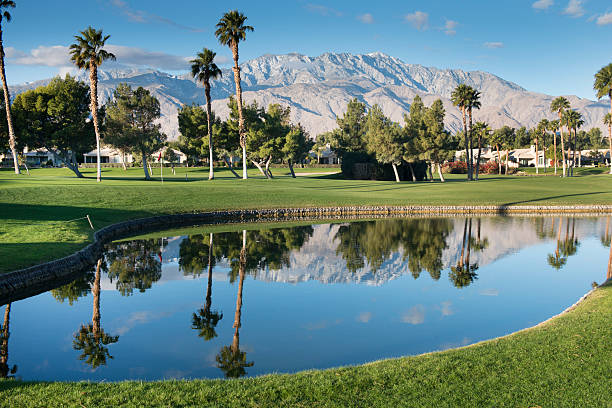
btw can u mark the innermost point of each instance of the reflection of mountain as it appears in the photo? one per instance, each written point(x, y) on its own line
point(318, 259)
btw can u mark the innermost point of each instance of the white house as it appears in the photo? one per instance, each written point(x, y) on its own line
point(107, 155)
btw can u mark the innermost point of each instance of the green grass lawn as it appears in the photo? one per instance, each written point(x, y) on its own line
point(565, 362)
point(33, 209)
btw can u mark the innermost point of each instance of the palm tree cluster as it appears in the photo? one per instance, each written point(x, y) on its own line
point(467, 99)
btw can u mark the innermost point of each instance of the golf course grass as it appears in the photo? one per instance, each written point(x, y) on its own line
point(565, 362)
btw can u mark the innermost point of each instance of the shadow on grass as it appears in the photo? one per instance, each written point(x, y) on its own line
point(28, 212)
point(553, 197)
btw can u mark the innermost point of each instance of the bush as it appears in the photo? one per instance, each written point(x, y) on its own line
point(349, 159)
point(457, 167)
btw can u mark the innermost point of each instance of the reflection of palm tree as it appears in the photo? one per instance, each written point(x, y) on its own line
point(606, 238)
point(556, 260)
point(231, 360)
point(5, 370)
point(463, 274)
point(206, 320)
point(91, 339)
point(570, 244)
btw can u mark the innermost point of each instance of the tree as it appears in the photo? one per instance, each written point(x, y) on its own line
point(132, 116)
point(383, 139)
point(461, 98)
point(435, 143)
point(88, 53)
point(349, 136)
point(553, 127)
point(134, 265)
point(414, 132)
point(608, 121)
point(559, 105)
point(54, 117)
point(6, 15)
point(503, 138)
point(203, 69)
point(230, 31)
point(542, 128)
point(603, 86)
point(266, 137)
point(483, 130)
point(5, 333)
point(472, 102)
point(296, 147)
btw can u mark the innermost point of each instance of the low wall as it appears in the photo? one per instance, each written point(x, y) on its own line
point(27, 282)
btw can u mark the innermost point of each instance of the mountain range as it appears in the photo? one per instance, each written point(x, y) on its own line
point(317, 89)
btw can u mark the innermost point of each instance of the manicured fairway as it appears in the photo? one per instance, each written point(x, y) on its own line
point(33, 209)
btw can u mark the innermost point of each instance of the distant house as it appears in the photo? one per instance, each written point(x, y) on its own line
point(325, 156)
point(107, 155)
point(181, 157)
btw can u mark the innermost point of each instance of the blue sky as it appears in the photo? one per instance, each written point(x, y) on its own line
point(550, 46)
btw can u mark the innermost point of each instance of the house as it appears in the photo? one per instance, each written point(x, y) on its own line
point(107, 155)
point(325, 156)
point(181, 157)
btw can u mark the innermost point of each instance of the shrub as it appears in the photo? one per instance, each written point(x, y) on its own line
point(457, 167)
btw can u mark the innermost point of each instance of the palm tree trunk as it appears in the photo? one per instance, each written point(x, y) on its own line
point(291, 168)
point(237, 315)
point(123, 161)
point(463, 241)
point(7, 104)
point(93, 85)
point(555, 152)
point(609, 274)
point(507, 157)
point(211, 174)
point(610, 146)
point(562, 144)
point(440, 173)
point(498, 159)
point(471, 146)
point(241, 129)
point(467, 146)
point(95, 319)
point(469, 245)
point(397, 178)
point(5, 336)
point(268, 171)
point(537, 158)
point(478, 157)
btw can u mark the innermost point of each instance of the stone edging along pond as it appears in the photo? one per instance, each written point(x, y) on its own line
point(27, 282)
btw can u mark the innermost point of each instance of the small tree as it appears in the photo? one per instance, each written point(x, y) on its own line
point(436, 144)
point(384, 139)
point(297, 146)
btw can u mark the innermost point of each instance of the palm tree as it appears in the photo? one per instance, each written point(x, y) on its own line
point(4, 14)
point(483, 130)
point(230, 31)
point(603, 86)
point(203, 69)
point(554, 126)
point(460, 98)
point(88, 53)
point(608, 121)
point(573, 121)
point(559, 105)
point(206, 320)
point(473, 102)
point(541, 129)
point(5, 370)
point(557, 261)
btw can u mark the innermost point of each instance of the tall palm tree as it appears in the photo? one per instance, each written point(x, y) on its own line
point(483, 130)
point(460, 98)
point(573, 120)
point(6, 16)
point(543, 126)
point(88, 53)
point(603, 86)
point(473, 102)
point(608, 121)
point(559, 105)
point(203, 69)
point(230, 31)
point(554, 126)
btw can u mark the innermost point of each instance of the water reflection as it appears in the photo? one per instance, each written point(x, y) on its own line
point(386, 254)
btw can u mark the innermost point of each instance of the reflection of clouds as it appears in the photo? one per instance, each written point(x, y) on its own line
point(364, 317)
point(175, 374)
point(42, 366)
point(489, 292)
point(137, 371)
point(445, 308)
point(416, 315)
point(323, 324)
point(464, 342)
point(141, 317)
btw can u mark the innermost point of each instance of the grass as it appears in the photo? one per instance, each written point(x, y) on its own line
point(565, 362)
point(34, 209)
point(562, 363)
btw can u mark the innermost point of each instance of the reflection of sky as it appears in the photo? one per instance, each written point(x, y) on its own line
point(290, 327)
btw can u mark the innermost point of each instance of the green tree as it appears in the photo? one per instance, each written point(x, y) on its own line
point(132, 115)
point(230, 31)
point(6, 16)
point(350, 134)
point(461, 97)
point(383, 139)
point(603, 86)
point(203, 69)
point(54, 117)
point(608, 121)
point(88, 53)
point(134, 265)
point(483, 131)
point(473, 102)
point(554, 126)
point(573, 121)
point(297, 146)
point(266, 138)
point(414, 133)
point(435, 144)
point(541, 130)
point(560, 105)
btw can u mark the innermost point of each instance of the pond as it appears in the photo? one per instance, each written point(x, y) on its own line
point(209, 303)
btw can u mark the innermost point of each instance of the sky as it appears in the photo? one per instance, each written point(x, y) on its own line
point(549, 46)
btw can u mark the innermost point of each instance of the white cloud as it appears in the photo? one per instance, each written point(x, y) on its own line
point(366, 18)
point(418, 20)
point(489, 292)
point(446, 308)
point(59, 56)
point(542, 4)
point(494, 44)
point(450, 26)
point(142, 17)
point(416, 315)
point(323, 10)
point(574, 8)
point(364, 317)
point(604, 19)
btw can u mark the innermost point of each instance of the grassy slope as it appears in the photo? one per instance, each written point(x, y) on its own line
point(563, 363)
point(32, 208)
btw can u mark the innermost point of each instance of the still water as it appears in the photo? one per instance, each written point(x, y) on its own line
point(285, 299)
